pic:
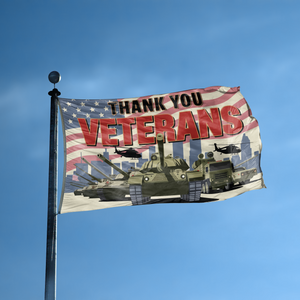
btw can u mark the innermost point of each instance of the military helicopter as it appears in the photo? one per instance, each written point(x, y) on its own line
point(230, 149)
point(128, 153)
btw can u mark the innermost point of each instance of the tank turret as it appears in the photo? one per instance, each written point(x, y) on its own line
point(159, 163)
point(160, 176)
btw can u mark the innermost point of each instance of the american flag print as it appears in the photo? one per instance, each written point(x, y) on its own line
point(192, 146)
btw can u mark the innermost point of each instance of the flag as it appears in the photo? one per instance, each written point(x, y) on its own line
point(193, 146)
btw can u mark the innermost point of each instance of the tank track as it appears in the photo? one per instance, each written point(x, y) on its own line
point(206, 186)
point(136, 196)
point(115, 198)
point(194, 194)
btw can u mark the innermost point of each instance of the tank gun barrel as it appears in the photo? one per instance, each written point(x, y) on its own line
point(89, 181)
point(78, 185)
point(160, 143)
point(103, 174)
point(113, 165)
point(245, 161)
point(93, 177)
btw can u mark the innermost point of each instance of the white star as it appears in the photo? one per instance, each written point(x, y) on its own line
point(64, 109)
point(96, 103)
point(82, 104)
point(68, 103)
point(78, 109)
point(105, 108)
point(70, 121)
point(74, 116)
point(87, 115)
point(92, 109)
point(101, 115)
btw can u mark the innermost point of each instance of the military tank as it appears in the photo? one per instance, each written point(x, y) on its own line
point(90, 190)
point(107, 189)
point(163, 176)
point(117, 188)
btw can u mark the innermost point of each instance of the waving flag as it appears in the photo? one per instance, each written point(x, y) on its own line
point(193, 146)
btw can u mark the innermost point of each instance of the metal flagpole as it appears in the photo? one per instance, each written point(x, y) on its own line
point(50, 278)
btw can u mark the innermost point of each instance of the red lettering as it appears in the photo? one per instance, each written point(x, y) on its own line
point(142, 130)
point(228, 113)
point(106, 132)
point(165, 123)
point(212, 122)
point(126, 128)
point(187, 126)
point(90, 135)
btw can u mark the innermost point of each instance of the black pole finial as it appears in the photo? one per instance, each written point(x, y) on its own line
point(54, 77)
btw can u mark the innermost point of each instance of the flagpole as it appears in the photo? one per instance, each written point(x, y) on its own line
point(50, 277)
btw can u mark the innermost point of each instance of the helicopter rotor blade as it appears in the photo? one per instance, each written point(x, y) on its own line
point(231, 144)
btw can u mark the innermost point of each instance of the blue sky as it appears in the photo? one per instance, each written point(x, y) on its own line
point(242, 248)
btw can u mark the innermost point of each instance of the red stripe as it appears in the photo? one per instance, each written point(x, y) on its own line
point(74, 136)
point(244, 115)
point(251, 126)
point(240, 103)
point(81, 147)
